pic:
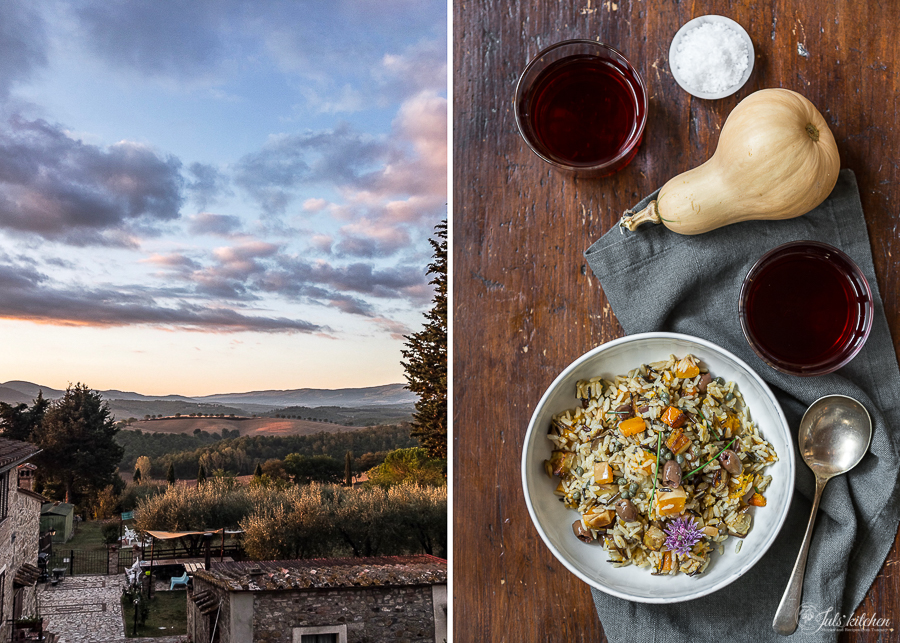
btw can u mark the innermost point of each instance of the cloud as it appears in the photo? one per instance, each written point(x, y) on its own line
point(366, 238)
point(422, 124)
point(206, 184)
point(216, 224)
point(322, 242)
point(243, 260)
point(420, 67)
point(396, 329)
point(23, 43)
point(406, 192)
point(59, 188)
point(288, 161)
point(163, 38)
point(26, 294)
point(315, 205)
point(294, 275)
point(172, 260)
point(345, 100)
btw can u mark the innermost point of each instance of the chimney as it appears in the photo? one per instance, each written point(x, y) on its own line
point(26, 476)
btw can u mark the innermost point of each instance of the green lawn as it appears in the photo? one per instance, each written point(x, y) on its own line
point(168, 615)
point(87, 537)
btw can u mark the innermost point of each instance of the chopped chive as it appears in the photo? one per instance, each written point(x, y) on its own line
point(711, 459)
point(709, 424)
point(656, 470)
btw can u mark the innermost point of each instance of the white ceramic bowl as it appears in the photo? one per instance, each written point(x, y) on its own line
point(588, 561)
point(696, 22)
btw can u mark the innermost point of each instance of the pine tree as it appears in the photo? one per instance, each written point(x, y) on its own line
point(19, 422)
point(77, 440)
point(170, 474)
point(425, 358)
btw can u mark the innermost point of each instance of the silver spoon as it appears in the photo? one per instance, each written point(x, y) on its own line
point(834, 436)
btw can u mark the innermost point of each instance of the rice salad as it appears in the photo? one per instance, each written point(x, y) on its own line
point(664, 465)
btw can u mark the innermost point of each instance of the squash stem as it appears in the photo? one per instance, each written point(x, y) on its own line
point(812, 132)
point(631, 220)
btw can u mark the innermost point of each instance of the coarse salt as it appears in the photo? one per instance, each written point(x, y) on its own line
point(711, 58)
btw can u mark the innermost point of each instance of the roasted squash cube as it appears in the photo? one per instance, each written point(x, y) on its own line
point(757, 500)
point(678, 442)
point(654, 538)
point(667, 561)
point(671, 503)
point(673, 417)
point(687, 368)
point(561, 463)
point(598, 518)
point(603, 473)
point(632, 426)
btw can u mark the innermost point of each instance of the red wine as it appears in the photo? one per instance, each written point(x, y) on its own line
point(584, 110)
point(806, 307)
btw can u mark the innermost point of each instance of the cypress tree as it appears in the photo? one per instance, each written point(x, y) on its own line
point(170, 474)
point(136, 476)
point(201, 475)
point(425, 358)
point(348, 469)
point(257, 473)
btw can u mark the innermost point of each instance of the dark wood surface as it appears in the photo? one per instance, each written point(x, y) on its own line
point(526, 304)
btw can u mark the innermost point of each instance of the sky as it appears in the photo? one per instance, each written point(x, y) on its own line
point(218, 196)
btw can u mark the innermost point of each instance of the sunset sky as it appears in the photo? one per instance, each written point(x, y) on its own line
point(218, 196)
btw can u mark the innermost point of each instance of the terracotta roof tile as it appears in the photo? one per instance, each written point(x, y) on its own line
point(326, 572)
point(26, 575)
point(12, 452)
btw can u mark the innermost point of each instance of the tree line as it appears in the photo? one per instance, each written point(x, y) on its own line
point(240, 455)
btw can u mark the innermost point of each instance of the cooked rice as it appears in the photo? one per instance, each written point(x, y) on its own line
point(591, 435)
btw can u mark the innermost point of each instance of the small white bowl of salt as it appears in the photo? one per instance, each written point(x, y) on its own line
point(711, 57)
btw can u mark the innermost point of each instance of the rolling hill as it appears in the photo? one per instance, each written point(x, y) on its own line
point(125, 404)
point(246, 426)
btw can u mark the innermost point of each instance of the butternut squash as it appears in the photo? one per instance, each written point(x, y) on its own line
point(776, 159)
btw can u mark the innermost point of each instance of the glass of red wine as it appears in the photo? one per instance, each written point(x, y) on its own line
point(806, 308)
point(582, 107)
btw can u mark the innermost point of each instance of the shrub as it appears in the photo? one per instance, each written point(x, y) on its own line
point(110, 532)
point(409, 466)
point(311, 520)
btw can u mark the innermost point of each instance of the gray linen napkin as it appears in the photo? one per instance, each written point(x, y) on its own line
point(657, 280)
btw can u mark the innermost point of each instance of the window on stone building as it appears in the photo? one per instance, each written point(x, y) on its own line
point(319, 638)
point(320, 634)
point(4, 495)
point(2, 595)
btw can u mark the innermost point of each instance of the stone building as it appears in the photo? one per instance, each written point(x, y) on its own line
point(20, 512)
point(348, 600)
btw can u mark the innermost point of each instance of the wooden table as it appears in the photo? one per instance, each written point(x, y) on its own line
point(525, 302)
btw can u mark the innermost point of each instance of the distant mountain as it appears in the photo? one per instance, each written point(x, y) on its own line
point(12, 396)
point(30, 391)
point(370, 396)
point(126, 404)
point(137, 397)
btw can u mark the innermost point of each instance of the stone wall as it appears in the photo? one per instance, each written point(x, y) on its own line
point(371, 614)
point(199, 625)
point(19, 534)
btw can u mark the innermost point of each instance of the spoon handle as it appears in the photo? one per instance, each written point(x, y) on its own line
point(788, 613)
